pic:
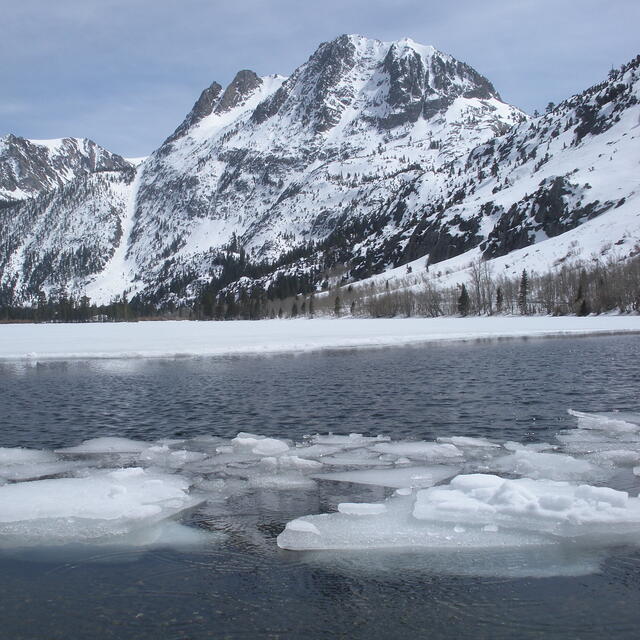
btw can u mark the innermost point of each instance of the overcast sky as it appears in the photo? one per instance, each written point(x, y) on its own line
point(125, 72)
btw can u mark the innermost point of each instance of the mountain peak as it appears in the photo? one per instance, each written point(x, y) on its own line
point(203, 107)
point(243, 84)
point(353, 72)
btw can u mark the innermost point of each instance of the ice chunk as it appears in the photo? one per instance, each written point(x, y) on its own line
point(616, 457)
point(420, 450)
point(13, 456)
point(24, 472)
point(17, 464)
point(281, 481)
point(352, 440)
point(393, 527)
point(163, 456)
point(356, 458)
point(479, 510)
point(553, 466)
point(395, 478)
point(464, 441)
point(260, 445)
point(103, 505)
point(97, 446)
point(290, 462)
point(320, 450)
point(541, 506)
point(532, 446)
point(611, 422)
point(270, 447)
point(362, 508)
point(302, 526)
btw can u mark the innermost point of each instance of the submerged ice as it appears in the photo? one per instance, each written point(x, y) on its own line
point(458, 493)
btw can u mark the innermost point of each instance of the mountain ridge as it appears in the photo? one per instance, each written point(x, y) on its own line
point(369, 156)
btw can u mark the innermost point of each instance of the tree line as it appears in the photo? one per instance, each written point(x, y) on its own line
point(580, 288)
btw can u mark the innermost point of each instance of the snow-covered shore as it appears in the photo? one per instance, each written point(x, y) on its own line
point(184, 338)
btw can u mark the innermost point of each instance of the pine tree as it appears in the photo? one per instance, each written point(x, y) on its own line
point(463, 302)
point(523, 294)
point(294, 310)
point(581, 305)
point(499, 299)
point(337, 306)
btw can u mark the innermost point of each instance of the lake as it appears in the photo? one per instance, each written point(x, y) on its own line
point(239, 584)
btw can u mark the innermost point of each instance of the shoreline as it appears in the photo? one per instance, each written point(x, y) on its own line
point(189, 339)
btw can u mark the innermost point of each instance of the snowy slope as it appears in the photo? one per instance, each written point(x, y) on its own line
point(58, 240)
point(567, 182)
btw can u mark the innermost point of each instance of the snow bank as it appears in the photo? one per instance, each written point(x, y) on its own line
point(174, 339)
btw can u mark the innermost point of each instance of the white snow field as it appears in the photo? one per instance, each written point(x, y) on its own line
point(185, 338)
point(560, 506)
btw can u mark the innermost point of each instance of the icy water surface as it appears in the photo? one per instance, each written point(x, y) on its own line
point(232, 580)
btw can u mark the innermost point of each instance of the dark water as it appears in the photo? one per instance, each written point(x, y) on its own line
point(247, 588)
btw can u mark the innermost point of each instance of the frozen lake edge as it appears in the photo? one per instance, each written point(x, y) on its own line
point(171, 339)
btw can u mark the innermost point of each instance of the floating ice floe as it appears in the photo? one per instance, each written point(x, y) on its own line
point(395, 478)
point(430, 451)
point(476, 511)
point(552, 466)
point(556, 501)
point(101, 508)
point(455, 494)
point(98, 446)
point(18, 465)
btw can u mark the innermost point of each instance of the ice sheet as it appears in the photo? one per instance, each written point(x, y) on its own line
point(553, 466)
point(395, 478)
point(181, 338)
point(430, 451)
point(104, 505)
point(458, 493)
point(97, 446)
point(477, 511)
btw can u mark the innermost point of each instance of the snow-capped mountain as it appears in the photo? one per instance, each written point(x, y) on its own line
point(31, 167)
point(577, 164)
point(370, 155)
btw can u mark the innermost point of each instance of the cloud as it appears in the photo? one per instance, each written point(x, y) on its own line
point(126, 71)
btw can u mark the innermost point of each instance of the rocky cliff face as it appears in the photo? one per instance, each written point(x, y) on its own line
point(370, 155)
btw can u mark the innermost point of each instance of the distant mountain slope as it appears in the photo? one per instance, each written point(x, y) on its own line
point(31, 167)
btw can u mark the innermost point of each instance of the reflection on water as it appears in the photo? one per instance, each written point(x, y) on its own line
point(240, 585)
